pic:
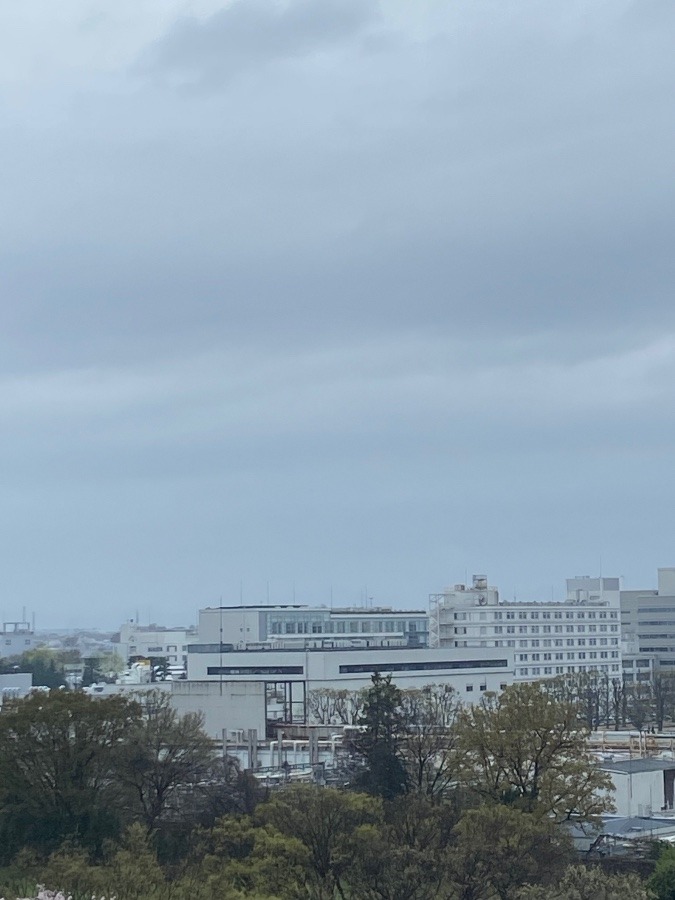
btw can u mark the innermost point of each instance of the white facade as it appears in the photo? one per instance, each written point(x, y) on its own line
point(154, 641)
point(648, 626)
point(642, 787)
point(16, 638)
point(470, 672)
point(306, 626)
point(579, 634)
point(227, 706)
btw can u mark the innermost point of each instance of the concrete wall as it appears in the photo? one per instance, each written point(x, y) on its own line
point(15, 643)
point(638, 793)
point(238, 624)
point(410, 668)
point(15, 685)
point(228, 705)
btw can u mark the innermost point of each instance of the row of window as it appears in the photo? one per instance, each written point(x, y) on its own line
point(593, 654)
point(560, 670)
point(498, 616)
point(558, 642)
point(386, 626)
point(546, 629)
point(425, 666)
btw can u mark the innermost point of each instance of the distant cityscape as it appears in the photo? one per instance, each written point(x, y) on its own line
point(267, 659)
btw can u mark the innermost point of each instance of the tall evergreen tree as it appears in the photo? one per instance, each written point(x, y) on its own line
point(380, 742)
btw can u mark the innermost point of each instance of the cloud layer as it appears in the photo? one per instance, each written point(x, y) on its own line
point(345, 293)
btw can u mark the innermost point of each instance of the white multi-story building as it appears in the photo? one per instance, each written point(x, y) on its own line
point(576, 635)
point(648, 628)
point(291, 650)
point(288, 627)
point(153, 641)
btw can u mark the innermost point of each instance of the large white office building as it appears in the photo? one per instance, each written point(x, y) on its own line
point(648, 628)
point(296, 626)
point(576, 635)
point(292, 650)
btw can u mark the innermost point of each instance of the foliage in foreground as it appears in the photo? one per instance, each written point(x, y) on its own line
point(111, 798)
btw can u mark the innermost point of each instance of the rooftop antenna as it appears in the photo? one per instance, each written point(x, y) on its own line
point(241, 592)
point(268, 593)
point(220, 647)
point(331, 596)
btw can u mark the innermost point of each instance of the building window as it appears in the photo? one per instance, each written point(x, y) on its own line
point(469, 688)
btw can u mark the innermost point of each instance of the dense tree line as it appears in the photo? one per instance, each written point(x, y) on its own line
point(49, 666)
point(110, 797)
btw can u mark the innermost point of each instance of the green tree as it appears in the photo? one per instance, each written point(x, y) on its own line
point(499, 848)
point(582, 883)
point(163, 760)
point(662, 881)
point(255, 859)
point(44, 664)
point(526, 749)
point(59, 756)
point(327, 822)
point(403, 857)
point(380, 742)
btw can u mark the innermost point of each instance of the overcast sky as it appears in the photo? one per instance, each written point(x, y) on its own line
point(358, 297)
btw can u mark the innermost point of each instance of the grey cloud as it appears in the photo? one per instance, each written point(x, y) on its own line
point(247, 34)
point(401, 306)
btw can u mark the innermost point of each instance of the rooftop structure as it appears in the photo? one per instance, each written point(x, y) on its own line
point(16, 638)
point(288, 626)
